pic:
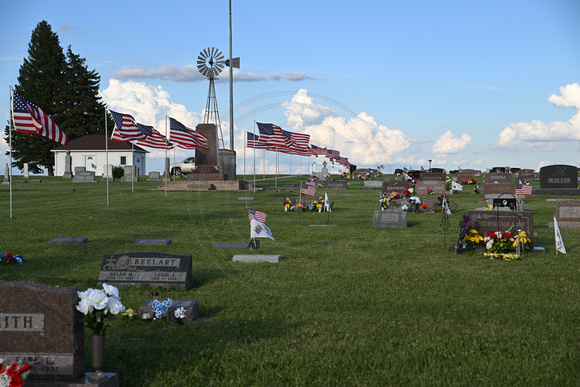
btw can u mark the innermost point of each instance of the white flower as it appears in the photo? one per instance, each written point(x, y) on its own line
point(97, 298)
point(84, 306)
point(489, 244)
point(115, 306)
point(180, 312)
point(110, 290)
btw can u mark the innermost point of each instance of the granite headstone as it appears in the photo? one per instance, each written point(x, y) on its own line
point(40, 325)
point(395, 186)
point(390, 218)
point(146, 267)
point(485, 221)
point(335, 185)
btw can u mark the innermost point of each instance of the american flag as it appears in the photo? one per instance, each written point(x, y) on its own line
point(185, 137)
point(153, 139)
point(30, 119)
point(126, 128)
point(298, 143)
point(343, 161)
point(308, 188)
point(272, 135)
point(332, 154)
point(253, 141)
point(522, 189)
point(316, 150)
point(257, 215)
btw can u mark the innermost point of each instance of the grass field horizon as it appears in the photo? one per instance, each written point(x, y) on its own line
point(350, 304)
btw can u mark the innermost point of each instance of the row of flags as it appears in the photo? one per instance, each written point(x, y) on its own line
point(127, 129)
point(274, 138)
point(28, 118)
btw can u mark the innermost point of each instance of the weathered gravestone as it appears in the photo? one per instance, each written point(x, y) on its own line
point(154, 176)
point(373, 184)
point(498, 177)
point(40, 325)
point(335, 185)
point(465, 175)
point(67, 165)
point(494, 190)
point(526, 174)
point(150, 267)
point(485, 221)
point(558, 180)
point(190, 308)
point(130, 173)
point(395, 186)
point(426, 175)
point(567, 214)
point(390, 218)
point(438, 186)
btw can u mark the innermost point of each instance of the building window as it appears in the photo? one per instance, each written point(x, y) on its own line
point(123, 160)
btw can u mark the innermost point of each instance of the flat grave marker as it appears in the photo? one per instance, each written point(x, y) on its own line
point(153, 242)
point(150, 267)
point(67, 241)
point(390, 218)
point(247, 258)
point(232, 245)
point(335, 185)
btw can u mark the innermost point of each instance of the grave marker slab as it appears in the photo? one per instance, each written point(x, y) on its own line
point(390, 218)
point(395, 186)
point(426, 175)
point(42, 328)
point(190, 306)
point(257, 258)
point(150, 267)
point(153, 242)
point(498, 189)
point(558, 180)
point(232, 245)
point(498, 177)
point(67, 241)
point(373, 184)
point(335, 185)
point(465, 175)
point(485, 221)
point(438, 186)
point(567, 214)
point(526, 174)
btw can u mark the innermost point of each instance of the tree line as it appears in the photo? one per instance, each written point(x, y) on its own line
point(64, 88)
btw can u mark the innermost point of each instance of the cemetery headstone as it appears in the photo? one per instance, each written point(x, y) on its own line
point(485, 221)
point(465, 175)
point(498, 177)
point(40, 325)
point(558, 180)
point(335, 185)
point(130, 173)
point(67, 165)
point(373, 184)
point(390, 218)
point(150, 267)
point(84, 177)
point(426, 175)
point(67, 241)
point(154, 176)
point(438, 186)
point(25, 171)
point(493, 190)
point(6, 173)
point(248, 258)
point(108, 174)
point(153, 242)
point(395, 186)
point(567, 214)
point(526, 174)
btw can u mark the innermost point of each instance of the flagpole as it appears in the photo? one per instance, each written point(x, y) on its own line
point(245, 146)
point(10, 136)
point(254, 157)
point(165, 172)
point(107, 153)
point(133, 169)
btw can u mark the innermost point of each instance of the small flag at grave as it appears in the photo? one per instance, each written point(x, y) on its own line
point(309, 188)
point(559, 242)
point(258, 228)
point(522, 189)
point(258, 215)
point(326, 203)
point(456, 186)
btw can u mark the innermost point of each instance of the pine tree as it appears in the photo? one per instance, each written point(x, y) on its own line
point(64, 88)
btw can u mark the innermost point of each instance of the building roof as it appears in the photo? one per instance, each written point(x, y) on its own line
point(97, 142)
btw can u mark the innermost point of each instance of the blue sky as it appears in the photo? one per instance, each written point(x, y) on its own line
point(470, 84)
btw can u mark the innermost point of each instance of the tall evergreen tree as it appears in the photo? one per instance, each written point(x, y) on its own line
point(64, 88)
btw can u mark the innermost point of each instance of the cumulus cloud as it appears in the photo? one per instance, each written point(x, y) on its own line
point(537, 134)
point(447, 143)
point(360, 137)
point(148, 104)
point(190, 73)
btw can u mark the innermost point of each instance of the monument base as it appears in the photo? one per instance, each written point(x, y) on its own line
point(112, 380)
point(205, 173)
point(557, 191)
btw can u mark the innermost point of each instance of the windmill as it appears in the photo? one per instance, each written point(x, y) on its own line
point(210, 63)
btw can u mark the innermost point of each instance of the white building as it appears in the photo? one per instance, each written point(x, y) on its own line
point(91, 152)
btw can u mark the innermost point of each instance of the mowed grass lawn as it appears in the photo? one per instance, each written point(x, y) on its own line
point(350, 304)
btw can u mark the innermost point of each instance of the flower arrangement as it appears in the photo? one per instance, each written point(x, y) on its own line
point(475, 189)
point(287, 204)
point(498, 241)
point(14, 375)
point(469, 182)
point(161, 307)
point(99, 304)
point(10, 258)
point(179, 315)
point(430, 191)
point(385, 201)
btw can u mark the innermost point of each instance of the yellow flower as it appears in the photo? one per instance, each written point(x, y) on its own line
point(128, 312)
point(490, 207)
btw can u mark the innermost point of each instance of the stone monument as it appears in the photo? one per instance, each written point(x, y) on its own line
point(67, 165)
point(558, 180)
point(206, 161)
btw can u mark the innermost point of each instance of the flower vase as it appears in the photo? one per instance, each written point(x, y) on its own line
point(97, 356)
